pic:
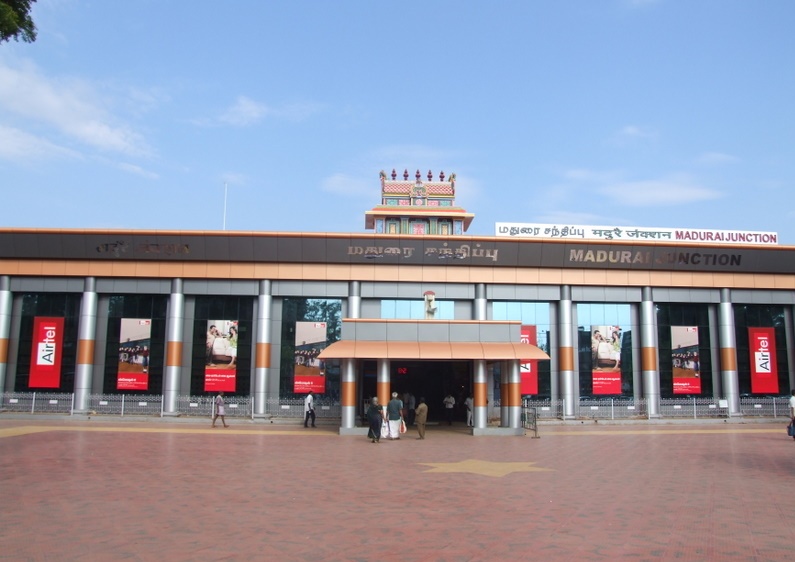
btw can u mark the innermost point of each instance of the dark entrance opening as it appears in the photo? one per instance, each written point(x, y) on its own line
point(430, 379)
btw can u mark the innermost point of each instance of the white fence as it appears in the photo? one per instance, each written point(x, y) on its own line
point(152, 405)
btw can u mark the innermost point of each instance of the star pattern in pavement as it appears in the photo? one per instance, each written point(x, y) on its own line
point(484, 468)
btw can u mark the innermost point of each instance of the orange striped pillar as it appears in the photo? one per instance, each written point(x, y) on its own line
point(348, 393)
point(6, 301)
point(728, 353)
point(86, 339)
point(569, 383)
point(648, 354)
point(262, 349)
point(480, 395)
point(174, 335)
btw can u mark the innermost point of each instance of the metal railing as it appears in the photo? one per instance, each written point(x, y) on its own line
point(152, 405)
point(530, 418)
point(242, 406)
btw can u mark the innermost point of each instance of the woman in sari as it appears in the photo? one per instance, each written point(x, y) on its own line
point(375, 416)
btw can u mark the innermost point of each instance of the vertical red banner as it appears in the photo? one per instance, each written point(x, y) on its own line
point(134, 342)
point(46, 352)
point(528, 369)
point(762, 350)
point(685, 360)
point(220, 370)
point(310, 371)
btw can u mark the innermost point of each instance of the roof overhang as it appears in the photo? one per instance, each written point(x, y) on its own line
point(490, 351)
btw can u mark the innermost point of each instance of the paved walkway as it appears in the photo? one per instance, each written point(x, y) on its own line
point(96, 490)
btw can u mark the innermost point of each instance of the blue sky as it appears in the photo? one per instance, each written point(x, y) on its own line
point(136, 114)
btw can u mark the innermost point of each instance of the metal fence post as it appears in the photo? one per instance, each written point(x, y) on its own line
point(33, 404)
point(695, 414)
point(122, 405)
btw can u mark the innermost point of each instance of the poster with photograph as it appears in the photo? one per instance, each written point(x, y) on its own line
point(135, 336)
point(606, 359)
point(46, 352)
point(685, 360)
point(762, 349)
point(310, 372)
point(220, 360)
point(528, 368)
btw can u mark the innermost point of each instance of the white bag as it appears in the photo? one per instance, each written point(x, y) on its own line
point(384, 429)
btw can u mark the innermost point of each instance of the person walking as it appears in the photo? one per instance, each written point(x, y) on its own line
point(394, 415)
point(792, 408)
point(449, 404)
point(411, 405)
point(375, 416)
point(309, 409)
point(220, 410)
point(421, 418)
point(470, 410)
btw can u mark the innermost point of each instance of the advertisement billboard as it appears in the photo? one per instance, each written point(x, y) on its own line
point(134, 344)
point(46, 352)
point(528, 369)
point(606, 359)
point(220, 366)
point(310, 372)
point(762, 350)
point(685, 360)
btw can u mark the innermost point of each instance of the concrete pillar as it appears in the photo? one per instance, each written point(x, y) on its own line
point(512, 402)
point(174, 336)
point(481, 395)
point(728, 353)
point(6, 302)
point(480, 305)
point(383, 382)
point(354, 299)
point(86, 339)
point(649, 354)
point(262, 349)
point(348, 393)
point(569, 383)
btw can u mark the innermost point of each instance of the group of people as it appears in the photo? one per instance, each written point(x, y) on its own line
point(389, 422)
point(135, 355)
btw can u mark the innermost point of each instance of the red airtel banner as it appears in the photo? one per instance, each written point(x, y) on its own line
point(762, 349)
point(46, 352)
point(528, 369)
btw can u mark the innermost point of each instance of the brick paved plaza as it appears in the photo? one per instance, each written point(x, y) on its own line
point(140, 491)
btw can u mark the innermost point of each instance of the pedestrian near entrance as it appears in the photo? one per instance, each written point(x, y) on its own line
point(309, 409)
point(470, 407)
point(394, 415)
point(220, 409)
point(792, 408)
point(412, 404)
point(421, 417)
point(375, 417)
point(449, 404)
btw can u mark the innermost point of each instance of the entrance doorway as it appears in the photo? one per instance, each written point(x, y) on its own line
point(432, 380)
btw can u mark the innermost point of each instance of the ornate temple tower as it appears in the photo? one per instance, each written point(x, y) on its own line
point(418, 207)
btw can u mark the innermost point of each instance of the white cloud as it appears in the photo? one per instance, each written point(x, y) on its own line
point(244, 112)
point(675, 190)
point(634, 132)
point(715, 158)
point(72, 107)
point(343, 184)
point(137, 170)
point(19, 145)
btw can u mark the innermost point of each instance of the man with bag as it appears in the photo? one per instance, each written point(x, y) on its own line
point(394, 415)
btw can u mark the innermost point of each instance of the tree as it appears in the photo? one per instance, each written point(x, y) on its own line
point(15, 21)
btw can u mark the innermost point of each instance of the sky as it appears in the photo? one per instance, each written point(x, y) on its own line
point(278, 115)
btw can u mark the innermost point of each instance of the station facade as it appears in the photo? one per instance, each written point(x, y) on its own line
point(415, 306)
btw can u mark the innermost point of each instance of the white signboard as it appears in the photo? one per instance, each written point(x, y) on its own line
point(634, 234)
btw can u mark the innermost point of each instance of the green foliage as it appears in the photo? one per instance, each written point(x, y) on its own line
point(15, 21)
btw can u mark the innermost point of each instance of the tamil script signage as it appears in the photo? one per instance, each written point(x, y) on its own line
point(375, 250)
point(634, 234)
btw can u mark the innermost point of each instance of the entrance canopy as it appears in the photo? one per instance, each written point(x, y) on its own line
point(349, 349)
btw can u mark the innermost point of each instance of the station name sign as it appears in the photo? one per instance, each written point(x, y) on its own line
point(634, 234)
